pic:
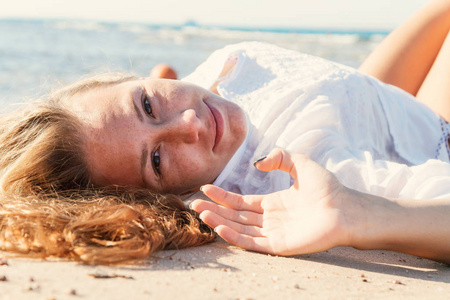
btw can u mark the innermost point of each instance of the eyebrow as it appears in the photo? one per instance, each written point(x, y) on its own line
point(136, 109)
point(144, 153)
point(144, 158)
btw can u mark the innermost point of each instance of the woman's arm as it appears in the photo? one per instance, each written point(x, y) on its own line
point(406, 55)
point(417, 227)
point(318, 213)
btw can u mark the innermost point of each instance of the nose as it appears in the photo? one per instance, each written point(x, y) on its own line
point(185, 127)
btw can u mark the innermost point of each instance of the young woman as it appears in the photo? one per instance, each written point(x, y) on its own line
point(77, 168)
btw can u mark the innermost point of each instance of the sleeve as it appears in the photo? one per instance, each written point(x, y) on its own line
point(359, 170)
point(348, 129)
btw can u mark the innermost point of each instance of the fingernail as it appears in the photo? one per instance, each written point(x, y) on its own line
point(258, 160)
point(190, 206)
point(201, 188)
point(215, 229)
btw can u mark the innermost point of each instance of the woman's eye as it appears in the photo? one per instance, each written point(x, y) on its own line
point(156, 160)
point(146, 105)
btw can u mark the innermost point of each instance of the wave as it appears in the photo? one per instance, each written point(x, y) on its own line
point(34, 54)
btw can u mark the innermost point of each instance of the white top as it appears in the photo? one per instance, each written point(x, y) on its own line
point(375, 137)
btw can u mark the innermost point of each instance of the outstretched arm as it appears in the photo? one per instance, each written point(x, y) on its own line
point(318, 213)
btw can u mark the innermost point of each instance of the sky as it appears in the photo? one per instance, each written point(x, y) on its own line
point(335, 14)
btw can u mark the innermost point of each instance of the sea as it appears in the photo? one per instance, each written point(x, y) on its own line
point(39, 55)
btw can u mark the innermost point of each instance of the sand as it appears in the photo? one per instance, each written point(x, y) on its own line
point(221, 271)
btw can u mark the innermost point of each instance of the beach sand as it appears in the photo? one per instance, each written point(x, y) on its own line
point(220, 271)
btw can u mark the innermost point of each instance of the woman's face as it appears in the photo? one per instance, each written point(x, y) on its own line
point(166, 135)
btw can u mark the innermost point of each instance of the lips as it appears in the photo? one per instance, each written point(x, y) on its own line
point(218, 124)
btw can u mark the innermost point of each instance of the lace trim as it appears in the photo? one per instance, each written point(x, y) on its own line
point(444, 138)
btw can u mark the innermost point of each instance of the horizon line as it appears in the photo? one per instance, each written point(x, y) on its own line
point(191, 23)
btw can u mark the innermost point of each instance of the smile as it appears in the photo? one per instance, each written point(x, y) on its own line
point(217, 123)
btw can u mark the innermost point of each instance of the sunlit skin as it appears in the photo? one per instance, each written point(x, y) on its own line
point(165, 135)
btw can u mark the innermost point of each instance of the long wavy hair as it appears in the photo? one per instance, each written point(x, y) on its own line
point(50, 207)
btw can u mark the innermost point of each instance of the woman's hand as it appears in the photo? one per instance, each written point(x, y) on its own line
point(305, 218)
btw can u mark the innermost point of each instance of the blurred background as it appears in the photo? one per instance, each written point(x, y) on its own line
point(47, 43)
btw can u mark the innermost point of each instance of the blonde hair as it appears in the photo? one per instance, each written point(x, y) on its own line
point(50, 207)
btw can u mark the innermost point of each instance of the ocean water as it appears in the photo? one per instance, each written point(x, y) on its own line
point(37, 55)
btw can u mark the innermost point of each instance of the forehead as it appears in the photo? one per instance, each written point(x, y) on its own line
point(96, 104)
point(109, 124)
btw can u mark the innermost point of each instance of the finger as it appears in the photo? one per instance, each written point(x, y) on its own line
point(258, 244)
point(214, 220)
point(283, 160)
point(242, 217)
point(232, 200)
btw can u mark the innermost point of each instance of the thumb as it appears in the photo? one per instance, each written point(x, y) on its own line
point(279, 159)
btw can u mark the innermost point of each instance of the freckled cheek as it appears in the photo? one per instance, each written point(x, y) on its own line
point(191, 164)
point(191, 167)
point(186, 178)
